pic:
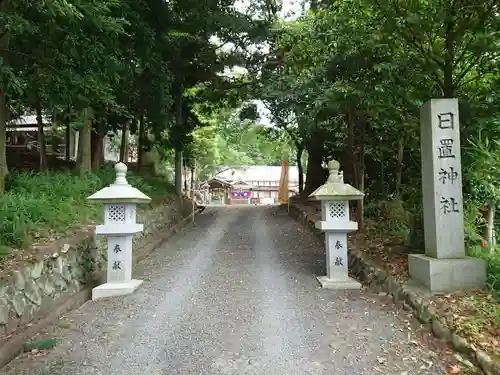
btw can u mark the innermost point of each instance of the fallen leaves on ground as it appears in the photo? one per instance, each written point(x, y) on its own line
point(475, 315)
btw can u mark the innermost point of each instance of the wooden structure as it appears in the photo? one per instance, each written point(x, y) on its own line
point(218, 191)
point(252, 185)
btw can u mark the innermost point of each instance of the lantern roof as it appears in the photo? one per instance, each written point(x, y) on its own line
point(334, 189)
point(120, 191)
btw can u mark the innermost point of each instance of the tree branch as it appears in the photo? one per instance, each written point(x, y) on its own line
point(412, 37)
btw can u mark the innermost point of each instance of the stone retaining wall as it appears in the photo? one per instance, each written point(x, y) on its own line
point(410, 298)
point(61, 275)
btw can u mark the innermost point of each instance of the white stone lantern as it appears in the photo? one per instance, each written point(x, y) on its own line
point(335, 222)
point(120, 200)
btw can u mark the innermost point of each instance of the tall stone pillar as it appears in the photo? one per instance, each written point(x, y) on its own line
point(444, 267)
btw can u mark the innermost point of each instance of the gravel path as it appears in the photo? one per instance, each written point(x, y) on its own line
point(235, 294)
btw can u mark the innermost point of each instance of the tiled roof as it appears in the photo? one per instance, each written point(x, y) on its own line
point(258, 173)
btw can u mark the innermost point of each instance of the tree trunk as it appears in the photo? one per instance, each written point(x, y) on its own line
point(316, 174)
point(383, 189)
point(67, 142)
point(4, 115)
point(84, 148)
point(98, 146)
point(350, 166)
point(178, 172)
point(140, 144)
point(124, 144)
point(300, 167)
point(399, 167)
point(449, 53)
point(356, 124)
point(193, 169)
point(490, 229)
point(360, 209)
point(360, 203)
point(42, 149)
point(179, 120)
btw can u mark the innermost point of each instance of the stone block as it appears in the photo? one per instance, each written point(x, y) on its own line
point(115, 289)
point(447, 275)
point(18, 301)
point(327, 283)
point(4, 311)
point(28, 314)
point(32, 292)
point(3, 288)
point(18, 279)
point(74, 286)
point(46, 285)
point(37, 269)
point(66, 272)
point(58, 282)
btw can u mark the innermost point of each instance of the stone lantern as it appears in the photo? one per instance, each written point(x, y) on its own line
point(335, 222)
point(120, 200)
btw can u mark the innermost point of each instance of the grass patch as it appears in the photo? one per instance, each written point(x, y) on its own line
point(390, 218)
point(493, 260)
point(42, 205)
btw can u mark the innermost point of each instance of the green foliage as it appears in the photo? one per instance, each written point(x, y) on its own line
point(347, 78)
point(41, 205)
point(493, 260)
point(484, 176)
point(397, 220)
point(121, 63)
point(472, 222)
point(229, 140)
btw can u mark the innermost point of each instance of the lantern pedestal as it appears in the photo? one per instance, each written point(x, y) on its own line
point(115, 289)
point(328, 283)
point(337, 260)
point(119, 272)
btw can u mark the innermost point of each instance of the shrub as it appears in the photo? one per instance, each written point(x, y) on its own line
point(397, 221)
point(493, 259)
point(43, 204)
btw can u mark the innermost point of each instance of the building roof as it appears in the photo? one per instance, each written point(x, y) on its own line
point(28, 120)
point(258, 173)
point(217, 180)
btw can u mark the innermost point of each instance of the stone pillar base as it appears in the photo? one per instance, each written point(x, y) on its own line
point(327, 283)
point(115, 289)
point(447, 275)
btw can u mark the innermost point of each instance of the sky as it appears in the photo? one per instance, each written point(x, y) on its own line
point(290, 9)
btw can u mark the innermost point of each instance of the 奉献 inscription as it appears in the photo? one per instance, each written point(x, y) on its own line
point(117, 265)
point(117, 248)
point(339, 261)
point(338, 245)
